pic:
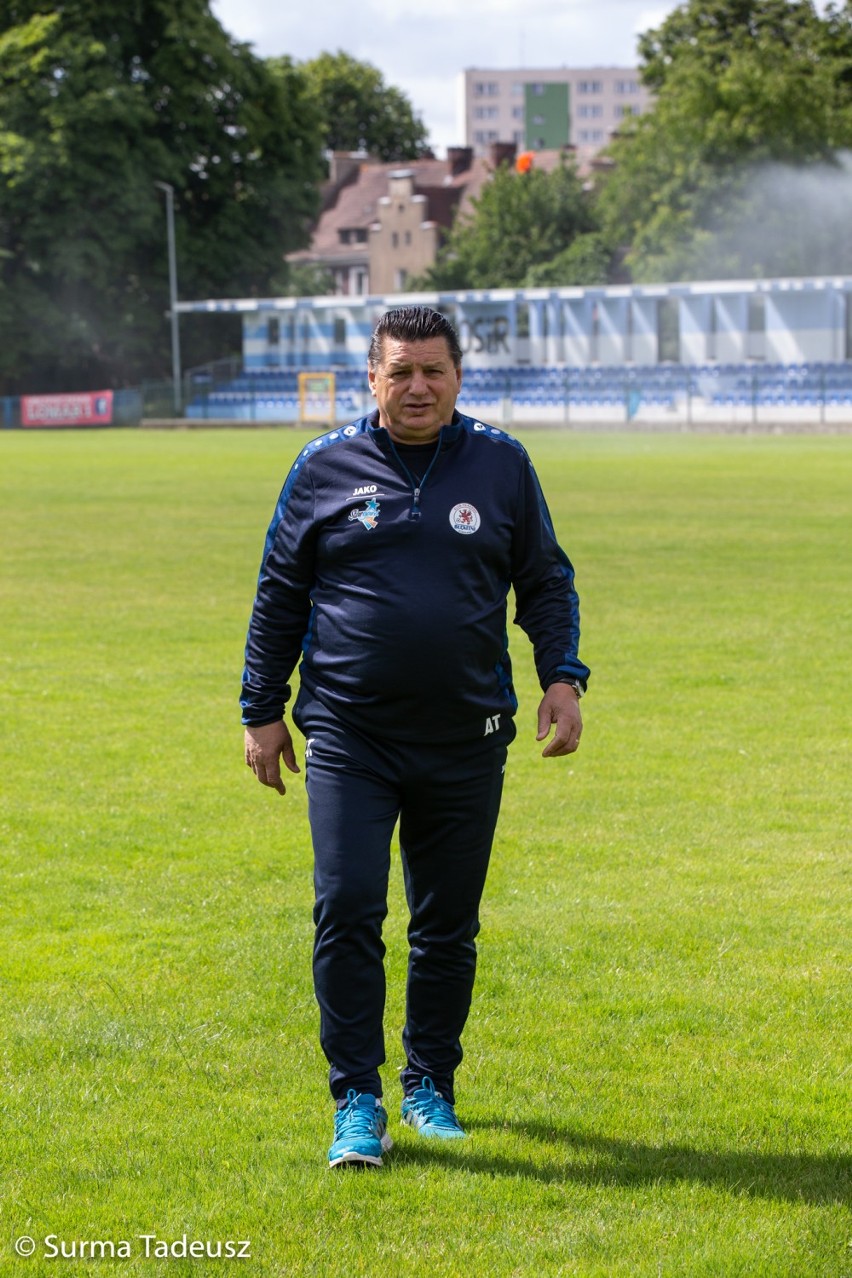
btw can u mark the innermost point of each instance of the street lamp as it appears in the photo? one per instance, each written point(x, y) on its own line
point(173, 291)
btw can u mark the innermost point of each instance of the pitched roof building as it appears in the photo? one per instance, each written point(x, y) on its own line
point(381, 224)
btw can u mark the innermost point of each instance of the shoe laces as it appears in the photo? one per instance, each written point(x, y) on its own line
point(432, 1106)
point(358, 1116)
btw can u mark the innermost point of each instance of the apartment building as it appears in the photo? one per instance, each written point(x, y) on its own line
point(538, 108)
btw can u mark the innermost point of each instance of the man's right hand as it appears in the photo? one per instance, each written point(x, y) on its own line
point(265, 746)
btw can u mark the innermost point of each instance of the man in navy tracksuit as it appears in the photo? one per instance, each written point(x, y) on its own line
point(387, 566)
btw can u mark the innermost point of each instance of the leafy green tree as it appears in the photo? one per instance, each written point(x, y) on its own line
point(739, 85)
point(307, 279)
point(587, 260)
point(519, 221)
point(98, 101)
point(359, 112)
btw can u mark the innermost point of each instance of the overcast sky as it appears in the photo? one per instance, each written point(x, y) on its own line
point(421, 45)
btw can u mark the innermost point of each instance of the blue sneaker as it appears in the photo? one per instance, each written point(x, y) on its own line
point(429, 1114)
point(360, 1132)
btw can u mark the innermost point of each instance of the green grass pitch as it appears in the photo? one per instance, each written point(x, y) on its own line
point(657, 1071)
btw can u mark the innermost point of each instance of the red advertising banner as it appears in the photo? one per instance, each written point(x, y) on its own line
point(91, 408)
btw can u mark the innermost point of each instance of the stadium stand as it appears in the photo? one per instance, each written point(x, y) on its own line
point(619, 392)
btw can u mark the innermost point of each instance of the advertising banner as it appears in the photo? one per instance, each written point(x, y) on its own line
point(90, 408)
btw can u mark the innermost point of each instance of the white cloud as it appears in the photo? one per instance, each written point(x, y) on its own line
point(650, 19)
point(422, 45)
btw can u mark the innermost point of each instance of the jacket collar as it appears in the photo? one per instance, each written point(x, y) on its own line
point(447, 434)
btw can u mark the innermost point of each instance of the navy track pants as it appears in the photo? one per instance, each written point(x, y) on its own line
point(447, 798)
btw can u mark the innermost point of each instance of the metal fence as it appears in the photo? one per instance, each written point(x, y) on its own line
point(652, 395)
point(129, 407)
point(655, 394)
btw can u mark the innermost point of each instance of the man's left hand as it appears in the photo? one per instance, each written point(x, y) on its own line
point(560, 705)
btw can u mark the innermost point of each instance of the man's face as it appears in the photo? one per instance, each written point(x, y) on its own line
point(416, 385)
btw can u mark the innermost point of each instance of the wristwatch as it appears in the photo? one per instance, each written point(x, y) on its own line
point(576, 685)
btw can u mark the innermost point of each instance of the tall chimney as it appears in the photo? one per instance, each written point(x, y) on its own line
point(459, 159)
point(501, 153)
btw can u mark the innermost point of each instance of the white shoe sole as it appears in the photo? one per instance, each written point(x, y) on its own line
point(353, 1159)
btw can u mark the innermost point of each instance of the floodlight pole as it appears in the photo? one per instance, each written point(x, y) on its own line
point(173, 290)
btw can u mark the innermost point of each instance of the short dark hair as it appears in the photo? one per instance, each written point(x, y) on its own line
point(413, 324)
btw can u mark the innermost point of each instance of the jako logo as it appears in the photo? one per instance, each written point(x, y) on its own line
point(365, 490)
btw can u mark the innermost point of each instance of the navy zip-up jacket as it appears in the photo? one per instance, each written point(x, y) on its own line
point(389, 569)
